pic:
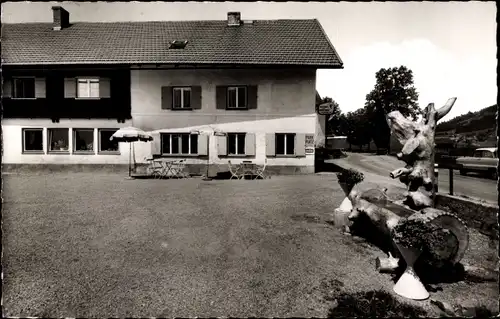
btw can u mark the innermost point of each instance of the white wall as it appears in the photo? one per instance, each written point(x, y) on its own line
point(285, 103)
point(299, 124)
point(13, 142)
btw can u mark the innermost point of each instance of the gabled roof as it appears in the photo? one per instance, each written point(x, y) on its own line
point(275, 42)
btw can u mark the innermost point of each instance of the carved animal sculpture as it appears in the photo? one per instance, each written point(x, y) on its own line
point(417, 139)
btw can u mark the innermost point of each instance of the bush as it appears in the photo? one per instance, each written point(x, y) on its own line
point(378, 304)
point(350, 177)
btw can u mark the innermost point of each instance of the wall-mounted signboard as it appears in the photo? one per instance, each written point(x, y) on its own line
point(325, 109)
point(309, 140)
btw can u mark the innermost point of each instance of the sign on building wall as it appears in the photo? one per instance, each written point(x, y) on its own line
point(325, 109)
point(309, 140)
point(309, 144)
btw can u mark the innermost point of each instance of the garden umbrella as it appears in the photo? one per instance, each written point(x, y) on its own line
point(130, 135)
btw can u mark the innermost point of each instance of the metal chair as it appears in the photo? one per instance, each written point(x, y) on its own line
point(154, 168)
point(260, 171)
point(178, 169)
point(235, 171)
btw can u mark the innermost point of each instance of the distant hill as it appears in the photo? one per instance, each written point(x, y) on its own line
point(474, 129)
point(484, 119)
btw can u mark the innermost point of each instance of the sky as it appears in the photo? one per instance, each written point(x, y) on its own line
point(449, 46)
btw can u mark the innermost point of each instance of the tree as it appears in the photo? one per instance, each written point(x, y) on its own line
point(358, 127)
point(393, 91)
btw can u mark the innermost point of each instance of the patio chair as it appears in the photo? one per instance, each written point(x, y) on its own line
point(179, 169)
point(235, 171)
point(260, 171)
point(154, 168)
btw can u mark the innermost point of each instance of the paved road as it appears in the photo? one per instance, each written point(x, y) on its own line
point(380, 165)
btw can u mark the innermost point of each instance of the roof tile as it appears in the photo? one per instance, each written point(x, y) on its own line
point(298, 42)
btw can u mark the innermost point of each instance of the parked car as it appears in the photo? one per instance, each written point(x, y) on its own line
point(484, 160)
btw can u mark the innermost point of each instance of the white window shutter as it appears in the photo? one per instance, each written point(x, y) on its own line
point(250, 144)
point(202, 144)
point(40, 88)
point(104, 88)
point(270, 144)
point(156, 144)
point(7, 88)
point(69, 87)
point(221, 145)
point(300, 145)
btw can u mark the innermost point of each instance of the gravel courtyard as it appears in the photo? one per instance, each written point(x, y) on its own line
point(83, 245)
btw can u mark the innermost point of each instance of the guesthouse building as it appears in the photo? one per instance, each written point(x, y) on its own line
point(68, 86)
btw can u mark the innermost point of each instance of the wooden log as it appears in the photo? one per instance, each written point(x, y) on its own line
point(418, 200)
point(386, 265)
point(417, 139)
point(400, 171)
point(479, 272)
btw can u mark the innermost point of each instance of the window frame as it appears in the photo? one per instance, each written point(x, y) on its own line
point(88, 80)
point(49, 150)
point(182, 89)
point(286, 135)
point(99, 138)
point(237, 88)
point(75, 151)
point(17, 78)
point(236, 144)
point(24, 151)
point(170, 135)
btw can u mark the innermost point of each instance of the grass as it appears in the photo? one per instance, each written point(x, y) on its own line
point(86, 245)
point(83, 245)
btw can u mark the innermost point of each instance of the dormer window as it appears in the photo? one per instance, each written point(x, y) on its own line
point(178, 44)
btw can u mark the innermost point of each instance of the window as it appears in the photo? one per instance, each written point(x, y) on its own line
point(237, 97)
point(58, 139)
point(177, 144)
point(236, 143)
point(105, 145)
point(83, 140)
point(285, 144)
point(487, 154)
point(24, 88)
point(32, 140)
point(87, 88)
point(182, 98)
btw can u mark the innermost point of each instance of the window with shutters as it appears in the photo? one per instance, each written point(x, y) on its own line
point(236, 143)
point(285, 144)
point(87, 88)
point(179, 144)
point(23, 88)
point(237, 97)
point(181, 98)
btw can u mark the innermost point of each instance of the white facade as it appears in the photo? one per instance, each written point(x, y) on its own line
point(285, 104)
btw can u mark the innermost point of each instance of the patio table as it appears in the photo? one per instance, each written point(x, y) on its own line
point(171, 168)
point(166, 167)
point(248, 168)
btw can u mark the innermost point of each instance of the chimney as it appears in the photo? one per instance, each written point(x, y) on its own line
point(61, 18)
point(233, 19)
